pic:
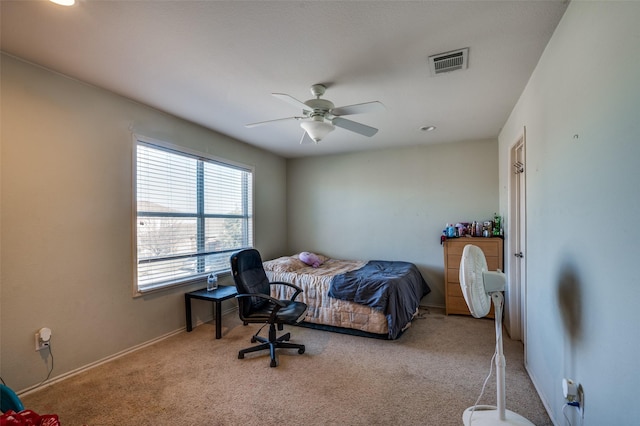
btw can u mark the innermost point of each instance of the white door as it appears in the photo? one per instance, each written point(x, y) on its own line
point(516, 235)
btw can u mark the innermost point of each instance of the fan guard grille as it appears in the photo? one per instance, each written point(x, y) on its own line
point(472, 264)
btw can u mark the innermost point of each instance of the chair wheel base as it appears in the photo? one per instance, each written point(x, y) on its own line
point(272, 343)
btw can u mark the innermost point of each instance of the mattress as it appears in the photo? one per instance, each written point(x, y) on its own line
point(328, 311)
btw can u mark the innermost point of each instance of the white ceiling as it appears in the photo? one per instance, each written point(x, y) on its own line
point(216, 63)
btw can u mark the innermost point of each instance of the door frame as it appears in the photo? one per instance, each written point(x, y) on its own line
point(516, 236)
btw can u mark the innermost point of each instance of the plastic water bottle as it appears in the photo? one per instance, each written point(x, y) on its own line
point(212, 282)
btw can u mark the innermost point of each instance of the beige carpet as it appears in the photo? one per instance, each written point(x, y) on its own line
point(427, 377)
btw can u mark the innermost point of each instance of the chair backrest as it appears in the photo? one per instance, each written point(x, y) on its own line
point(250, 278)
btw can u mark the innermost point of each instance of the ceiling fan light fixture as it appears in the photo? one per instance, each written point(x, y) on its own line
point(64, 2)
point(320, 117)
point(317, 129)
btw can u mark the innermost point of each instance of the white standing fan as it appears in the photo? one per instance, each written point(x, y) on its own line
point(479, 287)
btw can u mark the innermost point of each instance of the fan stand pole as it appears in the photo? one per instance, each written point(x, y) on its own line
point(486, 415)
point(501, 363)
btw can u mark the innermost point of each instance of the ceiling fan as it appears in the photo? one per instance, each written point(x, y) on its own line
point(320, 116)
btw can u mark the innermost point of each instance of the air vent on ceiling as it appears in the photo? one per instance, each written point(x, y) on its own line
point(449, 61)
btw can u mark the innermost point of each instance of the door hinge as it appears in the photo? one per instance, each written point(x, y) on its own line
point(519, 254)
point(519, 167)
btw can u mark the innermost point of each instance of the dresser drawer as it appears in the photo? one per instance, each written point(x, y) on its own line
point(492, 249)
point(489, 246)
point(493, 263)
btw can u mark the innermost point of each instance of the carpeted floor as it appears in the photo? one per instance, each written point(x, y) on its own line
point(427, 377)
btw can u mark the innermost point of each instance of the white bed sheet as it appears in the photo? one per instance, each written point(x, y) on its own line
point(315, 284)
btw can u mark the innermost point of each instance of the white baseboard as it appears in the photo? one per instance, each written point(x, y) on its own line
point(117, 355)
point(225, 312)
point(542, 398)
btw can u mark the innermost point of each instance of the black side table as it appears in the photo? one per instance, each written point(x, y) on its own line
point(223, 292)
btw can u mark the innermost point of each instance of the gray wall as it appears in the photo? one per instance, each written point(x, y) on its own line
point(391, 204)
point(66, 221)
point(582, 210)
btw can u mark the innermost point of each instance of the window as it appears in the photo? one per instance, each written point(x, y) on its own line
point(192, 213)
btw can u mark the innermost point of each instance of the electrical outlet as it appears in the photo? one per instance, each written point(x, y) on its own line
point(581, 400)
point(40, 344)
point(574, 394)
point(570, 390)
point(43, 338)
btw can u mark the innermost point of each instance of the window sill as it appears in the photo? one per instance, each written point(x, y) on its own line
point(172, 286)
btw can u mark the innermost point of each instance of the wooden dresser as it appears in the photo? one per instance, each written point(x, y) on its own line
point(492, 248)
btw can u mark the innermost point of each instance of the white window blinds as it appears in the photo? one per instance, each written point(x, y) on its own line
point(192, 213)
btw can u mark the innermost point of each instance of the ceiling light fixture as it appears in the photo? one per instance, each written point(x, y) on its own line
point(64, 2)
point(427, 128)
point(317, 128)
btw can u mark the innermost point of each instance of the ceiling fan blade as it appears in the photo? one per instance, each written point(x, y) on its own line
point(260, 123)
point(354, 127)
point(358, 108)
point(293, 101)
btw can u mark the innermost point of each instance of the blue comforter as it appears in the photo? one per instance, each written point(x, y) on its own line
point(395, 288)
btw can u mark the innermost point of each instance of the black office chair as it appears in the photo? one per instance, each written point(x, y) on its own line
point(255, 304)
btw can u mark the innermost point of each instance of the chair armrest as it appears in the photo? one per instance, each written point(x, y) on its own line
point(263, 296)
point(297, 289)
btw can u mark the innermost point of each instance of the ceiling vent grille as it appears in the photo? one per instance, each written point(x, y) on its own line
point(449, 61)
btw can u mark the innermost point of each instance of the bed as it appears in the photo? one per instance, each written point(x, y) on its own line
point(369, 298)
